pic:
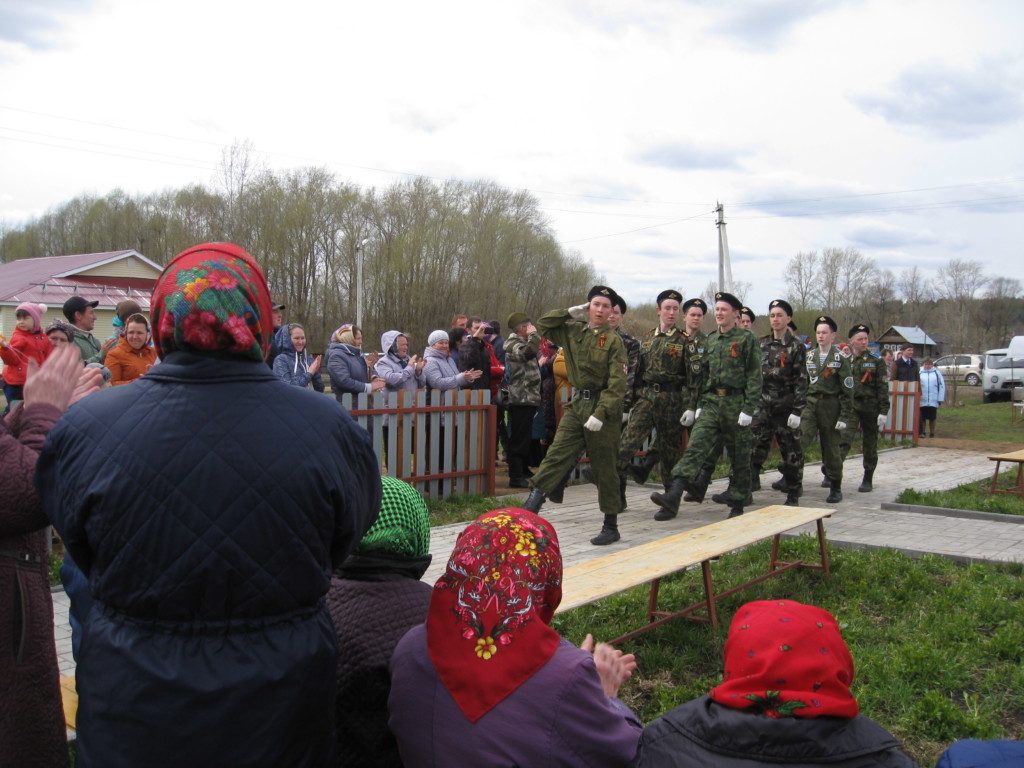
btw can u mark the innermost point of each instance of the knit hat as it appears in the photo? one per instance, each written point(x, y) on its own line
point(35, 311)
point(212, 298)
point(436, 336)
point(403, 525)
point(59, 325)
point(107, 375)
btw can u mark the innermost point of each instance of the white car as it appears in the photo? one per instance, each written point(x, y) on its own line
point(1002, 373)
point(965, 368)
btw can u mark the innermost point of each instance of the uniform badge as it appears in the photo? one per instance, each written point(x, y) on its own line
point(733, 352)
point(601, 340)
point(848, 382)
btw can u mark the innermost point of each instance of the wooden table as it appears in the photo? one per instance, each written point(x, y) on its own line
point(648, 563)
point(1017, 457)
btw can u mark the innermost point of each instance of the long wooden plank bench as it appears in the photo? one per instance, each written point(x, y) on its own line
point(610, 574)
point(1016, 457)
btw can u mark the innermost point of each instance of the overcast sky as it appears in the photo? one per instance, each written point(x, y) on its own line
point(892, 126)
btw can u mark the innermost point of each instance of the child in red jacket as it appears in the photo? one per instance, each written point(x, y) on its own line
point(28, 342)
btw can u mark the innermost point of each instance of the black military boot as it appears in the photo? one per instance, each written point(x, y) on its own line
point(534, 501)
point(609, 532)
point(866, 486)
point(669, 500)
point(723, 497)
point(559, 492)
point(755, 478)
point(793, 496)
point(781, 485)
point(735, 511)
point(622, 491)
point(729, 500)
point(825, 482)
point(698, 487)
point(836, 494)
point(640, 472)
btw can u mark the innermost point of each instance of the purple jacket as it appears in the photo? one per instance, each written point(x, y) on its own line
point(559, 717)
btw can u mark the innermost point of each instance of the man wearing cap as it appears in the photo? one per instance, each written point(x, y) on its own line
point(632, 345)
point(523, 362)
point(747, 318)
point(662, 392)
point(731, 370)
point(783, 398)
point(82, 315)
point(280, 340)
point(829, 402)
point(595, 360)
point(870, 402)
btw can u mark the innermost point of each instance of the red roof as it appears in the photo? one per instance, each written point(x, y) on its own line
point(52, 280)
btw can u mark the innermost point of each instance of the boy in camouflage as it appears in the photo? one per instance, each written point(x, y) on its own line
point(870, 401)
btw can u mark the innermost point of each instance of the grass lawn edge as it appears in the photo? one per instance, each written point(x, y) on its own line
point(972, 514)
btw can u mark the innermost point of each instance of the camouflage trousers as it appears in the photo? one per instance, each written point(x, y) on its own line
point(718, 421)
point(867, 419)
point(819, 418)
point(658, 411)
point(790, 448)
point(571, 440)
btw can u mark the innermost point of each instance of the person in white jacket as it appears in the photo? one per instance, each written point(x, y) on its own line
point(933, 393)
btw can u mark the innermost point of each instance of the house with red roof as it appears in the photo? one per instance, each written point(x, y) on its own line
point(108, 278)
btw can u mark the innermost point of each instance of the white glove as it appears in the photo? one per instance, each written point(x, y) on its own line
point(625, 418)
point(744, 420)
point(593, 424)
point(793, 422)
point(840, 425)
point(687, 418)
point(580, 313)
point(697, 414)
point(881, 420)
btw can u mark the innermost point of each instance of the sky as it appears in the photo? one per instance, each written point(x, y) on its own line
point(891, 126)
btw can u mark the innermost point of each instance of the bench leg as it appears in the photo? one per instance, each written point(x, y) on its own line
point(652, 601)
point(709, 593)
point(823, 547)
point(995, 477)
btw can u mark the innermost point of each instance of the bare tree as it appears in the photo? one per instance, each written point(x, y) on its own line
point(918, 296)
point(800, 279)
point(1000, 309)
point(957, 283)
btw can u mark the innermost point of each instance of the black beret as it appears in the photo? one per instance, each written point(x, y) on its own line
point(749, 313)
point(782, 304)
point(669, 294)
point(601, 290)
point(859, 328)
point(618, 301)
point(827, 321)
point(729, 299)
point(699, 303)
point(792, 326)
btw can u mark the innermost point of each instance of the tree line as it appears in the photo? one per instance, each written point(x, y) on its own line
point(434, 248)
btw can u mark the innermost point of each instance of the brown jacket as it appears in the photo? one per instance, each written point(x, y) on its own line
point(127, 364)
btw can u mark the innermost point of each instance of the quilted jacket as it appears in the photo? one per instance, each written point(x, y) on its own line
point(207, 504)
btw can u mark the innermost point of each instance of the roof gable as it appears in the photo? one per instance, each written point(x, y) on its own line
point(53, 279)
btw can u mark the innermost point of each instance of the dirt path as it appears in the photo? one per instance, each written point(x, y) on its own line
point(976, 446)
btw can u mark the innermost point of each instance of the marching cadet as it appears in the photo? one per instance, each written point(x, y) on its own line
point(870, 401)
point(662, 391)
point(632, 345)
point(783, 397)
point(829, 402)
point(731, 372)
point(595, 361)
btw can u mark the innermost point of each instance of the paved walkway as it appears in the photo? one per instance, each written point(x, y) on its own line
point(859, 520)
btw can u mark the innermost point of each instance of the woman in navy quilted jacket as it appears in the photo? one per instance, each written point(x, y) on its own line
point(206, 505)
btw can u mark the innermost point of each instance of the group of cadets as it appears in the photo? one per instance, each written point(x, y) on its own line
point(731, 390)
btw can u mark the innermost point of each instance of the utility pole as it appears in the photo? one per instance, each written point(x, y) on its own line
point(724, 267)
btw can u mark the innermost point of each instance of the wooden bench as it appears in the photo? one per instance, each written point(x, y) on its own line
point(610, 574)
point(1017, 457)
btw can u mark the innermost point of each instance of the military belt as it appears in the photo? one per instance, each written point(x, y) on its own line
point(588, 394)
point(822, 395)
point(658, 387)
point(727, 391)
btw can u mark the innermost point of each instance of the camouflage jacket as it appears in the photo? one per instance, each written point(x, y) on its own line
point(784, 369)
point(732, 362)
point(870, 381)
point(835, 377)
point(523, 369)
point(632, 346)
point(669, 358)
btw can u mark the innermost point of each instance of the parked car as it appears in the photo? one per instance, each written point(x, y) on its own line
point(965, 368)
point(1002, 373)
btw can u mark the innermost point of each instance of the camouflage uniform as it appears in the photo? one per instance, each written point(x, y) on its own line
point(731, 369)
point(784, 394)
point(632, 345)
point(663, 390)
point(829, 399)
point(595, 360)
point(523, 399)
point(870, 400)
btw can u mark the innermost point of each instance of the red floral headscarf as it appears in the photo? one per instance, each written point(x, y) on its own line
point(212, 298)
point(786, 659)
point(488, 623)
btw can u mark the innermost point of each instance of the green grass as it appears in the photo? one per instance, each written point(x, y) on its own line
point(937, 646)
point(461, 508)
point(976, 420)
point(973, 496)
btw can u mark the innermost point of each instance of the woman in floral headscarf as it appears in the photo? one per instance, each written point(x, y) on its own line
point(207, 504)
point(487, 681)
point(784, 699)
